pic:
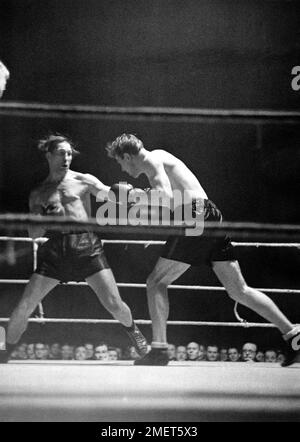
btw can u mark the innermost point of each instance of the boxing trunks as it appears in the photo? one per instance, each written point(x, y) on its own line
point(198, 250)
point(71, 256)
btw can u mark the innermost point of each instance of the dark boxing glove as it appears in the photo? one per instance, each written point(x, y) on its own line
point(119, 193)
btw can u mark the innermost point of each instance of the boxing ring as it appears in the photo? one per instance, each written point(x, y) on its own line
point(118, 391)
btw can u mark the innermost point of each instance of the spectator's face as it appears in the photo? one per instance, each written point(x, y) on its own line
point(14, 354)
point(193, 351)
point(80, 353)
point(30, 351)
point(41, 351)
point(224, 354)
point(67, 352)
point(89, 351)
point(212, 353)
point(55, 350)
point(202, 353)
point(270, 356)
point(281, 358)
point(22, 351)
point(233, 355)
point(171, 351)
point(101, 353)
point(181, 354)
point(249, 352)
point(260, 356)
point(112, 355)
point(119, 352)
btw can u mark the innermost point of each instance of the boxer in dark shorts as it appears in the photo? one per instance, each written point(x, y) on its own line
point(68, 256)
point(71, 256)
point(199, 250)
point(169, 176)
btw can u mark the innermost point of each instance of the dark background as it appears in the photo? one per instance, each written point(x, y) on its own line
point(195, 54)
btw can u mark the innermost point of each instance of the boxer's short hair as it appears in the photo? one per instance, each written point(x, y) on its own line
point(125, 143)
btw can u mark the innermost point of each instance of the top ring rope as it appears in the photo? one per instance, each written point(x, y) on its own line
point(188, 115)
point(154, 243)
point(278, 232)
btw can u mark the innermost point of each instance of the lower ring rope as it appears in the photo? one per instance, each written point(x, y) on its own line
point(145, 322)
point(170, 287)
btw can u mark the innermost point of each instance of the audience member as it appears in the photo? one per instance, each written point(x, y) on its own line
point(270, 356)
point(41, 351)
point(172, 352)
point(112, 354)
point(55, 351)
point(224, 354)
point(260, 356)
point(67, 352)
point(101, 352)
point(80, 353)
point(193, 351)
point(181, 353)
point(212, 353)
point(249, 352)
point(89, 350)
point(234, 354)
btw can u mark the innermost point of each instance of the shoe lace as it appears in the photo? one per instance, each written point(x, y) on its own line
point(138, 337)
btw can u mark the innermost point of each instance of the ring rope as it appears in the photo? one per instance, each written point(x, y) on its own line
point(146, 322)
point(188, 115)
point(153, 243)
point(170, 287)
point(242, 322)
point(212, 229)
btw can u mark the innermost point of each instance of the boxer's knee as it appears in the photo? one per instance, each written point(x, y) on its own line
point(156, 281)
point(238, 292)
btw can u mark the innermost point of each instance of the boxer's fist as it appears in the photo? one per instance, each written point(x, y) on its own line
point(121, 193)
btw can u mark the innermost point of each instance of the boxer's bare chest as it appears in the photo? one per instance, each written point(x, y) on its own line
point(65, 192)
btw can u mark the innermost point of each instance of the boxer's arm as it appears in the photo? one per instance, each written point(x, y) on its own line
point(35, 209)
point(96, 187)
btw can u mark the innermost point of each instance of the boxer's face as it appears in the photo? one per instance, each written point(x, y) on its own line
point(129, 164)
point(61, 158)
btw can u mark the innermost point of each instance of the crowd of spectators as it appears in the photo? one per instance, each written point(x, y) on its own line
point(101, 351)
